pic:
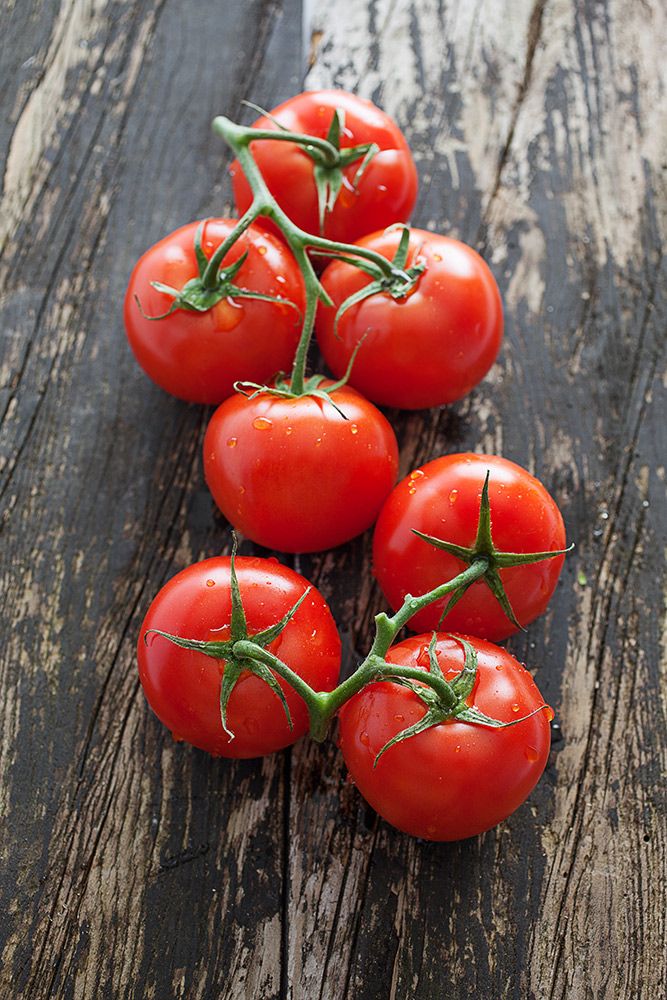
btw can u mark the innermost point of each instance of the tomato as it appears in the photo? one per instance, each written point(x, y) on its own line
point(456, 779)
point(294, 475)
point(428, 348)
point(385, 193)
point(442, 499)
point(183, 686)
point(198, 356)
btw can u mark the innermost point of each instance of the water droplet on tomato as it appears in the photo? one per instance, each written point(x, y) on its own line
point(457, 749)
point(318, 442)
point(281, 279)
point(241, 490)
point(531, 754)
point(232, 442)
point(412, 490)
point(499, 666)
point(453, 496)
point(417, 474)
point(399, 718)
point(382, 187)
point(228, 314)
point(262, 423)
point(515, 707)
point(262, 250)
point(423, 660)
point(210, 583)
point(436, 256)
point(364, 738)
point(549, 712)
point(354, 429)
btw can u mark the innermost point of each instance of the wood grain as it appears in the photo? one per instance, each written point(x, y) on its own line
point(132, 867)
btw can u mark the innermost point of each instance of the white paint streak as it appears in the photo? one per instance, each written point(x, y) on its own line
point(77, 24)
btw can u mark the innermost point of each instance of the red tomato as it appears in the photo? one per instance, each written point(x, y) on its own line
point(456, 779)
point(198, 356)
point(385, 193)
point(442, 499)
point(293, 474)
point(183, 686)
point(426, 349)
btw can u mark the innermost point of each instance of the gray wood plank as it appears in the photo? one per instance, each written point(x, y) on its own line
point(131, 867)
point(537, 132)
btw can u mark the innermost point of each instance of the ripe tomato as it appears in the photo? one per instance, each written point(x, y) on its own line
point(385, 193)
point(442, 499)
point(198, 356)
point(456, 779)
point(428, 348)
point(293, 474)
point(183, 686)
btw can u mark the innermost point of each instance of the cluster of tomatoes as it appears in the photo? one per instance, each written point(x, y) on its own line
point(404, 318)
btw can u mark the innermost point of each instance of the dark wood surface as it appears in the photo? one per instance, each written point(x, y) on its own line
point(135, 867)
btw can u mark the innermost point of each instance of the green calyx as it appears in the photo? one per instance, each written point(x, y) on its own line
point(212, 285)
point(398, 284)
point(443, 700)
point(236, 665)
point(283, 386)
point(328, 157)
point(328, 169)
point(484, 549)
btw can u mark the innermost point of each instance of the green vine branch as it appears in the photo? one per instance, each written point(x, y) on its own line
point(214, 281)
point(442, 699)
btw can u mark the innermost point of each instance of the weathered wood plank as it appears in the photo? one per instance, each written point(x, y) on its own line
point(537, 133)
point(131, 867)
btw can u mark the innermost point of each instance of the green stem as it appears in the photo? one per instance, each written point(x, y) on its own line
point(210, 275)
point(323, 705)
point(387, 628)
point(321, 243)
point(248, 650)
point(330, 155)
point(312, 294)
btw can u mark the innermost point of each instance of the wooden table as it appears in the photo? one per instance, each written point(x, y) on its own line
point(135, 867)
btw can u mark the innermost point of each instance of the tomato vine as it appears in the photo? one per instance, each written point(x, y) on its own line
point(443, 699)
point(255, 483)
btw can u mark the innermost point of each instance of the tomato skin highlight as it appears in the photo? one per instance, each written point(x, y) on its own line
point(198, 356)
point(427, 349)
point(442, 499)
point(293, 474)
point(386, 193)
point(183, 686)
point(457, 779)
